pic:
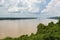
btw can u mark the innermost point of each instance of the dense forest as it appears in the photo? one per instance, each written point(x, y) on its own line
point(44, 32)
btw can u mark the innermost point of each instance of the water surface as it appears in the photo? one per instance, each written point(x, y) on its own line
point(16, 28)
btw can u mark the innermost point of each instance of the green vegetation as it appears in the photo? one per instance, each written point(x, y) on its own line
point(49, 32)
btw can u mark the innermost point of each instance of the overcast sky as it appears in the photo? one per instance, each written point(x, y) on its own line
point(29, 8)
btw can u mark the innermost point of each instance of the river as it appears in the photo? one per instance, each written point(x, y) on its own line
point(16, 28)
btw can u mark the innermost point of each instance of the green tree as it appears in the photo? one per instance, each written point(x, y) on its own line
point(8, 38)
point(41, 28)
point(58, 22)
point(23, 37)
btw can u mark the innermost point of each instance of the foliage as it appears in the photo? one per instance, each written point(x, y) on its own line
point(49, 32)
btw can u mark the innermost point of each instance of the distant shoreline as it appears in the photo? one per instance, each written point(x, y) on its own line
point(16, 18)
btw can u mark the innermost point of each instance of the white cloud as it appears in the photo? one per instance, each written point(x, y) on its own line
point(33, 9)
point(12, 9)
point(1, 2)
point(23, 7)
point(53, 8)
point(27, 5)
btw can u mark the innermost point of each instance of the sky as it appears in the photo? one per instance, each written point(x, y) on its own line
point(29, 8)
point(22, 8)
point(52, 9)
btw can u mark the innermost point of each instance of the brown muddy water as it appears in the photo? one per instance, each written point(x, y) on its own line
point(16, 28)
